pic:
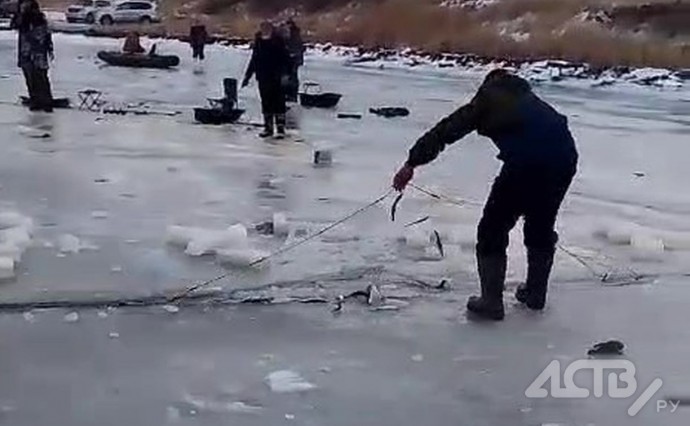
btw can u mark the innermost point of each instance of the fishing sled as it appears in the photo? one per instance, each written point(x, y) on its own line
point(312, 97)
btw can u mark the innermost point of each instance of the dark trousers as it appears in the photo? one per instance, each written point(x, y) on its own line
point(198, 51)
point(292, 90)
point(272, 97)
point(38, 85)
point(534, 193)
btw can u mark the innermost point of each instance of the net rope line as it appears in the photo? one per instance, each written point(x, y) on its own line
point(176, 297)
point(184, 293)
point(603, 277)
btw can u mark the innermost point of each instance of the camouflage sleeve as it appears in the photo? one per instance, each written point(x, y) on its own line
point(452, 128)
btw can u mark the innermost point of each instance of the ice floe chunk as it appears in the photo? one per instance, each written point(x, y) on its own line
point(230, 246)
point(647, 243)
point(6, 268)
point(240, 257)
point(71, 317)
point(171, 309)
point(15, 237)
point(280, 225)
point(69, 243)
point(288, 381)
point(10, 219)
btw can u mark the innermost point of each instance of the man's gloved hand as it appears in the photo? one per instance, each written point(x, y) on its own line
point(403, 177)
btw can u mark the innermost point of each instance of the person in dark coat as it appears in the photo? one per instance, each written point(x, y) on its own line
point(270, 64)
point(295, 46)
point(35, 51)
point(539, 162)
point(132, 44)
point(197, 40)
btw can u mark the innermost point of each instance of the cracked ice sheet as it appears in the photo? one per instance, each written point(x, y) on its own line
point(428, 360)
point(219, 173)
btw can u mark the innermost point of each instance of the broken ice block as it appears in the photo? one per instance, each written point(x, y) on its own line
point(619, 235)
point(205, 241)
point(240, 257)
point(179, 235)
point(647, 243)
point(417, 238)
point(72, 317)
point(6, 268)
point(171, 309)
point(14, 219)
point(323, 157)
point(287, 381)
point(68, 243)
point(17, 236)
point(11, 251)
point(280, 225)
point(676, 241)
point(99, 214)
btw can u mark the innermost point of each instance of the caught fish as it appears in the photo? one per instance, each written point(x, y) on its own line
point(375, 297)
point(338, 304)
point(444, 284)
point(439, 244)
point(395, 206)
point(417, 222)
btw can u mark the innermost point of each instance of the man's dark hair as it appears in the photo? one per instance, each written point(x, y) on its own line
point(504, 79)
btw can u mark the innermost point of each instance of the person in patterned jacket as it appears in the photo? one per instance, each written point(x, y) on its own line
point(35, 51)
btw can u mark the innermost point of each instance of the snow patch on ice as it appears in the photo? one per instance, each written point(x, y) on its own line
point(288, 381)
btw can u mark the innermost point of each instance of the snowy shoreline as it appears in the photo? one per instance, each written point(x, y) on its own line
point(536, 71)
point(548, 70)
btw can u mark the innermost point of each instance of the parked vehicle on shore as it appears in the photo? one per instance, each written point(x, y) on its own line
point(86, 11)
point(129, 12)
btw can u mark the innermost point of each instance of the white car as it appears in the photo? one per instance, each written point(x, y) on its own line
point(86, 11)
point(128, 12)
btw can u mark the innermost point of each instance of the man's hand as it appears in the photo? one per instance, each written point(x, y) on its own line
point(403, 177)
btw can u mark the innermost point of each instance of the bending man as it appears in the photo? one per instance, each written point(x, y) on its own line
point(540, 160)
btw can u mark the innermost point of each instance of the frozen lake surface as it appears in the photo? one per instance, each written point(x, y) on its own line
point(103, 190)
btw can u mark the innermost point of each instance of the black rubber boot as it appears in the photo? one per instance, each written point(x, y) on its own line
point(533, 292)
point(268, 126)
point(280, 124)
point(492, 273)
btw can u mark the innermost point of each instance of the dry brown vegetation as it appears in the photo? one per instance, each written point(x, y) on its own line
point(553, 31)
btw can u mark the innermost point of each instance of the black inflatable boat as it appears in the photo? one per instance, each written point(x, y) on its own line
point(120, 59)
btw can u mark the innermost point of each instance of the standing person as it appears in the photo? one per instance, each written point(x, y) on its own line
point(197, 40)
point(295, 46)
point(540, 160)
point(35, 50)
point(269, 62)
